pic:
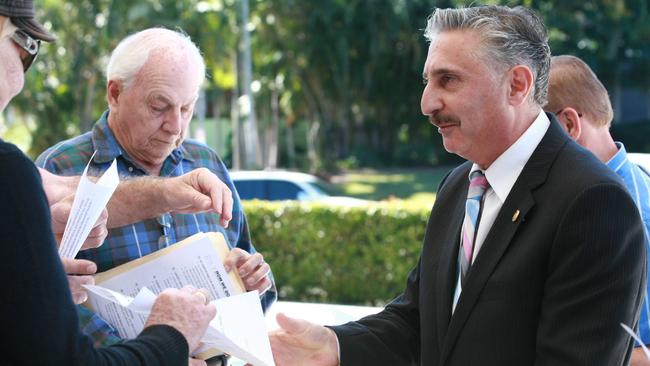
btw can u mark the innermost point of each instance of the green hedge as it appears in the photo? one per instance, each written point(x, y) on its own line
point(357, 255)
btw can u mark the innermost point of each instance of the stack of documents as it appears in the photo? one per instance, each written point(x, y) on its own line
point(123, 296)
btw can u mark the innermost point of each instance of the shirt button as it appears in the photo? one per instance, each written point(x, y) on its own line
point(131, 169)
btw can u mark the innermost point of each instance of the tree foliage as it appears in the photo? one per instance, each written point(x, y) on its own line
point(336, 81)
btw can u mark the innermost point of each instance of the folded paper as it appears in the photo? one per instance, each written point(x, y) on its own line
point(90, 199)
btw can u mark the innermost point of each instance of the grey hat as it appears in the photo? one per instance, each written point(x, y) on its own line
point(21, 13)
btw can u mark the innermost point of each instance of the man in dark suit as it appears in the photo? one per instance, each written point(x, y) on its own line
point(534, 252)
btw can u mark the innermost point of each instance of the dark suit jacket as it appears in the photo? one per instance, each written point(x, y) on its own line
point(547, 288)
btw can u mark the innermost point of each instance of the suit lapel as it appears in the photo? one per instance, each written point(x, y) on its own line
point(448, 267)
point(503, 229)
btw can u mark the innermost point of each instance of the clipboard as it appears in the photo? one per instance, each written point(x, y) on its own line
point(199, 257)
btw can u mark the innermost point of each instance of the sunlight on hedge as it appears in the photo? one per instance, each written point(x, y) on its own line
point(348, 255)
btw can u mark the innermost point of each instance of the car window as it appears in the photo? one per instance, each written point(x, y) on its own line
point(251, 189)
point(280, 190)
point(325, 188)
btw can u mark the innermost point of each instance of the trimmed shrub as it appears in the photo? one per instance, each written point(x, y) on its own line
point(348, 255)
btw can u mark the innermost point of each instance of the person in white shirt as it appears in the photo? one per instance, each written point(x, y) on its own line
point(558, 258)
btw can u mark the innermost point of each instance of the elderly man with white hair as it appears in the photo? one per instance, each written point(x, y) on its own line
point(153, 82)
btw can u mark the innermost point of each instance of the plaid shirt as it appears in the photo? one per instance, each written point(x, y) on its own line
point(130, 242)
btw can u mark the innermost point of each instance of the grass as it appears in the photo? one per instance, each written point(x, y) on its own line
point(408, 185)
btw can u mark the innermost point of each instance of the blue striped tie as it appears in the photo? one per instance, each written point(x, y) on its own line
point(478, 184)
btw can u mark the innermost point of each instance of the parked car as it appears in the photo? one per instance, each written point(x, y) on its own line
point(277, 185)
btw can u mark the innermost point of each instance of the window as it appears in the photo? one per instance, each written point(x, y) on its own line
point(251, 189)
point(281, 190)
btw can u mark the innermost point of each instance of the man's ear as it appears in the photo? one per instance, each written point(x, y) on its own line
point(521, 84)
point(570, 120)
point(113, 91)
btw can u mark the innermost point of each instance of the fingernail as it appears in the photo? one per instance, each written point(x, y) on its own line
point(227, 267)
point(91, 268)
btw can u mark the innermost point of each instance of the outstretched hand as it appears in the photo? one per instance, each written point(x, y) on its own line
point(299, 342)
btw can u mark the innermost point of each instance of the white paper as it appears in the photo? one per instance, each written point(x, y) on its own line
point(238, 328)
point(637, 339)
point(196, 263)
point(90, 200)
point(240, 320)
point(141, 304)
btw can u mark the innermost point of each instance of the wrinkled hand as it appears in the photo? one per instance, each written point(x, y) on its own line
point(188, 310)
point(57, 187)
point(299, 342)
point(252, 269)
point(61, 211)
point(197, 191)
point(79, 273)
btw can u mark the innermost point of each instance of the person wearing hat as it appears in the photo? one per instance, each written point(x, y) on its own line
point(19, 28)
point(134, 200)
point(37, 311)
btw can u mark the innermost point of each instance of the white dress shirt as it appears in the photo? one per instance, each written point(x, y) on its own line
point(501, 176)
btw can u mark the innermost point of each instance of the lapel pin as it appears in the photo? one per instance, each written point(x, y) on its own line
point(515, 216)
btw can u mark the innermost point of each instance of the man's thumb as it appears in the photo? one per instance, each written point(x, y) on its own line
point(290, 325)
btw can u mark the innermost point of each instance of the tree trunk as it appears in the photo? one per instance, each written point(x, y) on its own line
point(312, 145)
point(291, 149)
point(234, 120)
point(219, 137)
point(87, 119)
point(273, 136)
point(252, 156)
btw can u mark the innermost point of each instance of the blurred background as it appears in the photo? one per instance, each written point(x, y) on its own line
point(331, 84)
point(328, 87)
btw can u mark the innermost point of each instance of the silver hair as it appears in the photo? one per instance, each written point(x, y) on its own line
point(513, 36)
point(133, 51)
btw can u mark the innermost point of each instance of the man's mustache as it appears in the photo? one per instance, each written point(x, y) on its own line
point(440, 118)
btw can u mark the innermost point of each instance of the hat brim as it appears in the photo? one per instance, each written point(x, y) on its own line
point(33, 28)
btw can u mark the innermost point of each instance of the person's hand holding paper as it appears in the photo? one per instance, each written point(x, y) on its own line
point(82, 219)
point(79, 273)
point(252, 269)
point(89, 203)
point(60, 212)
point(122, 294)
point(185, 310)
point(237, 326)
